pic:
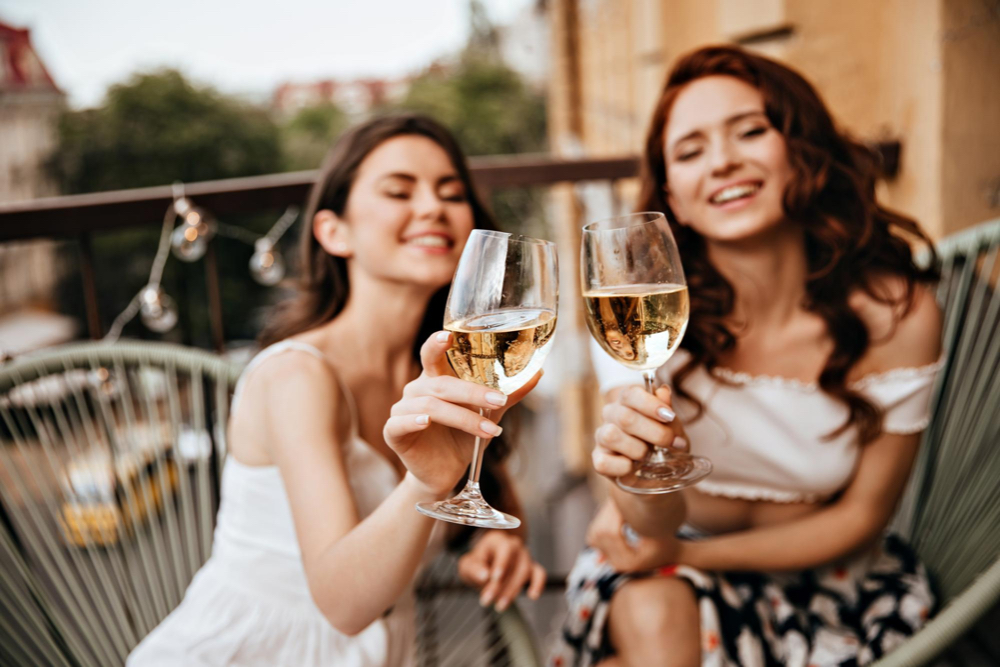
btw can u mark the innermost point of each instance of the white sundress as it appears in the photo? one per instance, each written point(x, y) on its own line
point(249, 605)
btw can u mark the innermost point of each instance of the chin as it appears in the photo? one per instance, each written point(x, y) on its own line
point(734, 231)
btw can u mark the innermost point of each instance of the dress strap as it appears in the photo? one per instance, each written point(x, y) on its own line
point(290, 344)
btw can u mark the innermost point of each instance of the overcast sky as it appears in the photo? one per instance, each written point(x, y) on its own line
point(240, 46)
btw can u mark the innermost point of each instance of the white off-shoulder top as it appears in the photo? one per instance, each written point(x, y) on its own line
point(767, 436)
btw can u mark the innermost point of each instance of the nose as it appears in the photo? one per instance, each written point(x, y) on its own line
point(723, 157)
point(427, 205)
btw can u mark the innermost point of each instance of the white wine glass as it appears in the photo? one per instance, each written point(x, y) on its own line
point(501, 312)
point(637, 309)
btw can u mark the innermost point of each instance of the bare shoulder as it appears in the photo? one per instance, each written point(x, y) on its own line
point(300, 392)
point(903, 333)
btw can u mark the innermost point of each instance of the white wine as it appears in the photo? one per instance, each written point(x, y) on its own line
point(639, 325)
point(503, 349)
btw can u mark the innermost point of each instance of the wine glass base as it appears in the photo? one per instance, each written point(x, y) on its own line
point(680, 471)
point(468, 513)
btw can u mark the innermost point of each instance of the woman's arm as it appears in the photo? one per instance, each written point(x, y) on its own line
point(357, 570)
point(853, 521)
point(634, 418)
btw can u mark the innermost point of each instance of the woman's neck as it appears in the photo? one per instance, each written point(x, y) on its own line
point(768, 275)
point(377, 329)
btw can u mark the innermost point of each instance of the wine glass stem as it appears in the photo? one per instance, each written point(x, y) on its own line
point(477, 457)
point(650, 378)
point(657, 455)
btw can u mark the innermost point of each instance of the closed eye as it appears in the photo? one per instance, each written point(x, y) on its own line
point(755, 132)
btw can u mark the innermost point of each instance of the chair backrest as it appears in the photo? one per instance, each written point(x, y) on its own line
point(110, 458)
point(952, 508)
point(454, 630)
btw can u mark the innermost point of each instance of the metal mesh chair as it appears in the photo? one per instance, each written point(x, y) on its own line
point(110, 463)
point(951, 512)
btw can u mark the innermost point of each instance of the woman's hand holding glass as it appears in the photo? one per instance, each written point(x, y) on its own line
point(632, 422)
point(433, 427)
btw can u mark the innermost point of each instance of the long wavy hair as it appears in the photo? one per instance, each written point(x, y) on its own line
point(849, 238)
point(321, 286)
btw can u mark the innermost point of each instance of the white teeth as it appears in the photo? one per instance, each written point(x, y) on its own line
point(735, 192)
point(429, 241)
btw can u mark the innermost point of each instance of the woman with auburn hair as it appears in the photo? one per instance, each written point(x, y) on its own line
point(805, 376)
point(336, 433)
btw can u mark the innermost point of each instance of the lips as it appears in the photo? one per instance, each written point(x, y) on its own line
point(731, 193)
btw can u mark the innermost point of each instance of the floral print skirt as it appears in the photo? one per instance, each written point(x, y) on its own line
point(843, 615)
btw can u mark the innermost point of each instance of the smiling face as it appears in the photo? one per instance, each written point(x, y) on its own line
point(727, 166)
point(407, 217)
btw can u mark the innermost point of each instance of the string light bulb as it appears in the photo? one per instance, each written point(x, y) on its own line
point(157, 309)
point(266, 265)
point(190, 239)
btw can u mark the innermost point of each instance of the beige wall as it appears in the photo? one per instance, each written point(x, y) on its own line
point(970, 131)
point(925, 72)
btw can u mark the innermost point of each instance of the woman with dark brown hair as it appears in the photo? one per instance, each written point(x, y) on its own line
point(805, 376)
point(336, 433)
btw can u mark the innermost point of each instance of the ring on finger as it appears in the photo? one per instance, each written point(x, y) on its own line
point(632, 538)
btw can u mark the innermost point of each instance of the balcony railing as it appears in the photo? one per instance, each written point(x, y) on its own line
point(78, 217)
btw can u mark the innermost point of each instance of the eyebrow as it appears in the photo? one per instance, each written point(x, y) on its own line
point(729, 121)
point(410, 178)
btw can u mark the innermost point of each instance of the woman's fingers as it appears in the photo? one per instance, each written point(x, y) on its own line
point(500, 561)
point(447, 414)
point(611, 464)
point(518, 576)
point(450, 388)
point(432, 354)
point(537, 585)
point(638, 425)
point(655, 406)
point(615, 440)
point(473, 568)
point(397, 428)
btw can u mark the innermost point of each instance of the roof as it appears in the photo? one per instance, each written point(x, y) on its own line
point(20, 67)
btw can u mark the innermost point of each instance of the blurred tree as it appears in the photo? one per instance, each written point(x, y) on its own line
point(155, 129)
point(309, 133)
point(158, 128)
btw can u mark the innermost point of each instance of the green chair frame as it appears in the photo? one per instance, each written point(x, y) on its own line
point(951, 511)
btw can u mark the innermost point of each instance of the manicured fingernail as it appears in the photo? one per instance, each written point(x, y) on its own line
point(502, 604)
point(681, 443)
point(443, 337)
point(484, 575)
point(489, 427)
point(422, 419)
point(486, 599)
point(496, 398)
point(666, 414)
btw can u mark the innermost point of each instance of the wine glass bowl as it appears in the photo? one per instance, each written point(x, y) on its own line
point(637, 309)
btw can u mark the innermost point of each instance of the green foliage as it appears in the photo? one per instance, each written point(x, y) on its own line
point(484, 103)
point(310, 133)
point(158, 128)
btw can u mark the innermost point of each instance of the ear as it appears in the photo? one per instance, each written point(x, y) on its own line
point(332, 233)
point(672, 203)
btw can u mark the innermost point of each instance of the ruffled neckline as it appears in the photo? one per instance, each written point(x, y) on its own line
point(901, 374)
